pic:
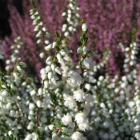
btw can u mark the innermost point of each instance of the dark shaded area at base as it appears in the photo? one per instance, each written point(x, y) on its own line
point(5, 29)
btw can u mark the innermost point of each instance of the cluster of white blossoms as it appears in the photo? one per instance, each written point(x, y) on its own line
point(46, 111)
point(72, 18)
point(16, 48)
point(130, 55)
point(42, 33)
point(72, 102)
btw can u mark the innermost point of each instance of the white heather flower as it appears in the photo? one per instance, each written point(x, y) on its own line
point(77, 136)
point(75, 78)
point(46, 84)
point(80, 117)
point(53, 80)
point(39, 103)
point(54, 44)
point(85, 49)
point(50, 75)
point(51, 127)
point(4, 93)
point(88, 87)
point(30, 126)
point(69, 101)
point(47, 42)
point(33, 92)
point(50, 58)
point(48, 47)
point(84, 27)
point(58, 70)
point(66, 34)
point(40, 91)
point(28, 137)
point(54, 136)
point(79, 95)
point(31, 106)
point(44, 29)
point(66, 119)
point(62, 52)
point(41, 55)
point(53, 66)
point(87, 63)
point(60, 59)
point(79, 50)
point(83, 126)
point(47, 69)
point(34, 136)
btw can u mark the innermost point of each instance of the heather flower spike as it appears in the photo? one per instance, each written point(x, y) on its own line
point(84, 27)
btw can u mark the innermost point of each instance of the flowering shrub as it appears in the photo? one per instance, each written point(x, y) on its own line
point(73, 102)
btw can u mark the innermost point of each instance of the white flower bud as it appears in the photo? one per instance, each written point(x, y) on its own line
point(10, 133)
point(64, 14)
point(39, 103)
point(40, 91)
point(49, 59)
point(44, 29)
point(53, 66)
point(53, 80)
point(41, 23)
point(58, 70)
point(64, 27)
point(48, 47)
point(62, 52)
point(79, 50)
point(41, 55)
point(30, 126)
point(39, 34)
point(54, 44)
point(66, 34)
point(8, 106)
point(46, 42)
point(85, 50)
point(54, 136)
point(51, 127)
point(46, 84)
point(47, 69)
point(28, 137)
point(50, 75)
point(36, 28)
point(4, 93)
point(84, 27)
point(31, 106)
point(38, 41)
point(66, 119)
point(88, 86)
point(33, 92)
point(19, 68)
point(58, 56)
point(70, 28)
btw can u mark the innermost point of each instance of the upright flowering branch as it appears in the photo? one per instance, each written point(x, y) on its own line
point(72, 18)
point(42, 33)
